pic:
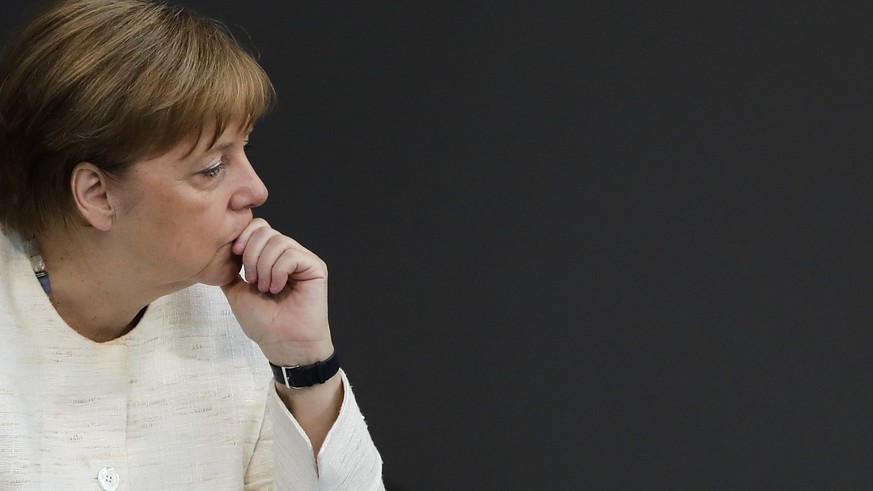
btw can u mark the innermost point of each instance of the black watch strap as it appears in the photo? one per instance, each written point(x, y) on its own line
point(299, 377)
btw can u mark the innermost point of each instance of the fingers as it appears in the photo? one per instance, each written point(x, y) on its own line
point(239, 245)
point(298, 264)
point(255, 248)
point(272, 259)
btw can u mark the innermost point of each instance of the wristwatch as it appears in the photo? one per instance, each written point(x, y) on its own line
point(302, 376)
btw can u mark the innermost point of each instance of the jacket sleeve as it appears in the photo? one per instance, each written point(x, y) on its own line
point(348, 459)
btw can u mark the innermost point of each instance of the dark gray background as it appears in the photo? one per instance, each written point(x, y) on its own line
point(579, 245)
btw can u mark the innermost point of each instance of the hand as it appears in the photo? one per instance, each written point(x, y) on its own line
point(283, 307)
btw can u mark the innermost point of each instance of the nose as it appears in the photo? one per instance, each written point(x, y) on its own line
point(252, 192)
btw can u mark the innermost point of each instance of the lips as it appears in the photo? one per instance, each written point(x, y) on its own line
point(240, 231)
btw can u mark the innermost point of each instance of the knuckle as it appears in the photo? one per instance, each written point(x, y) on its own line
point(279, 279)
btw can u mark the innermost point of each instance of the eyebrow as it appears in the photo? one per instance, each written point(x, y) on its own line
point(224, 146)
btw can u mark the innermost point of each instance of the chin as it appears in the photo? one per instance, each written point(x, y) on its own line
point(225, 273)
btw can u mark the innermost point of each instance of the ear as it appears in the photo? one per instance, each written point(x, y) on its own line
point(90, 189)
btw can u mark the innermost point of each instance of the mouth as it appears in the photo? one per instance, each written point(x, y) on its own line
point(232, 241)
point(239, 232)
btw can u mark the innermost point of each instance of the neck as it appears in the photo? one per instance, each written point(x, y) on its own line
point(89, 286)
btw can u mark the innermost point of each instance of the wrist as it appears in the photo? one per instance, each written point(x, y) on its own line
point(304, 376)
point(307, 393)
point(290, 354)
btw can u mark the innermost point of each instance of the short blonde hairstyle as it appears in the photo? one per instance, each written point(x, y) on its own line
point(111, 82)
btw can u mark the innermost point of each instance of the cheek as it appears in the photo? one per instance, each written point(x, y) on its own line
point(206, 234)
point(191, 219)
point(156, 211)
point(185, 224)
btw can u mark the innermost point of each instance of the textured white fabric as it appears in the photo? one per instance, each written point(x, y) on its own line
point(183, 402)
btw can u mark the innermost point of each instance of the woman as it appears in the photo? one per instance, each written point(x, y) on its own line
point(125, 203)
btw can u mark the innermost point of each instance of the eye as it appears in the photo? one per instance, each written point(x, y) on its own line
point(215, 168)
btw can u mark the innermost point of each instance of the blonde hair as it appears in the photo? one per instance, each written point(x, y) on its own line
point(112, 82)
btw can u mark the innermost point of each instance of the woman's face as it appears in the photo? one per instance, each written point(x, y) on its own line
point(178, 215)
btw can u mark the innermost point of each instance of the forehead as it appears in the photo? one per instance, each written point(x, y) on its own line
point(211, 140)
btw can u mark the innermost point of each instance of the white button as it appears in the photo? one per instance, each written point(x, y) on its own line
point(108, 479)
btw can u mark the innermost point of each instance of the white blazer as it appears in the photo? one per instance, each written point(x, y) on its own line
point(182, 402)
